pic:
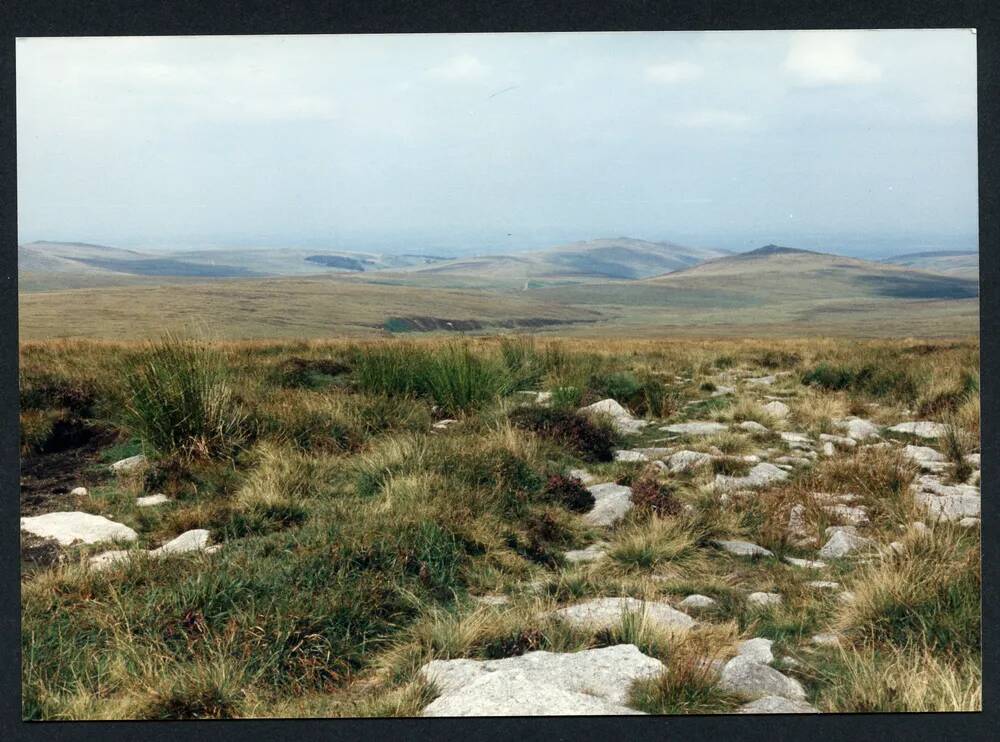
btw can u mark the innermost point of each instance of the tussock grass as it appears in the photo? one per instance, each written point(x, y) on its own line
point(657, 542)
point(178, 400)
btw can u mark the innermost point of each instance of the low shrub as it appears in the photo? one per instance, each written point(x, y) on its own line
point(590, 439)
point(878, 379)
point(569, 492)
point(649, 495)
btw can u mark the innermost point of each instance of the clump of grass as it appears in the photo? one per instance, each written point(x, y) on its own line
point(523, 361)
point(391, 368)
point(569, 492)
point(179, 401)
point(459, 379)
point(657, 542)
point(590, 438)
point(880, 379)
point(927, 596)
point(901, 680)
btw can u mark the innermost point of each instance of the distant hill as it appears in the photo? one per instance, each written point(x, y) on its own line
point(617, 258)
point(964, 263)
point(776, 271)
point(61, 265)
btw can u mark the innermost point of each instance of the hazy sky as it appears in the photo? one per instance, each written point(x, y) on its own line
point(479, 142)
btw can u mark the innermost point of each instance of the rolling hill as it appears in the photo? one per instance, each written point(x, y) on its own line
point(949, 262)
point(773, 291)
point(578, 262)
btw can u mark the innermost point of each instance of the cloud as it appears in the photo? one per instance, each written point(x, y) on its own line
point(462, 68)
point(818, 58)
point(671, 72)
point(711, 118)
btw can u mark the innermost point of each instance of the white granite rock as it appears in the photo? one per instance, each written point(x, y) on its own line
point(150, 500)
point(857, 428)
point(752, 426)
point(611, 503)
point(743, 677)
point(132, 463)
point(78, 492)
point(697, 602)
point(695, 428)
point(758, 650)
point(72, 527)
point(777, 705)
point(921, 429)
point(606, 613)
point(759, 476)
point(594, 681)
point(743, 548)
point(842, 542)
point(194, 540)
point(969, 522)
point(684, 460)
point(825, 640)
point(630, 456)
point(838, 440)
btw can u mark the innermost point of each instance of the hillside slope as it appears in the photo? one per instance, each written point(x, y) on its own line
point(594, 260)
point(964, 264)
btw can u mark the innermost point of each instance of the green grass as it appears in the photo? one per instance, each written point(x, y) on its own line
point(355, 535)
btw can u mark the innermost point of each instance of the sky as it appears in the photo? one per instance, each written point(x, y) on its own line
point(860, 142)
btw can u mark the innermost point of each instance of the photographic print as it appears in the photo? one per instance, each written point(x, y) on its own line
point(507, 374)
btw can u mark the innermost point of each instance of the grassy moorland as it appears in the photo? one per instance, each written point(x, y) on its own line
point(360, 532)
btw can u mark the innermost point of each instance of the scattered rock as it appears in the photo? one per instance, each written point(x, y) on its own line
point(857, 428)
point(592, 553)
point(796, 440)
point(630, 456)
point(777, 409)
point(108, 558)
point(759, 476)
point(684, 460)
point(923, 453)
point(974, 459)
point(921, 429)
point(969, 522)
point(762, 380)
point(764, 600)
point(622, 418)
point(805, 563)
point(611, 502)
point(752, 426)
point(847, 515)
point(838, 440)
point(792, 461)
point(655, 452)
point(71, 527)
point(442, 424)
point(743, 548)
point(695, 428)
point(78, 492)
point(607, 613)
point(777, 705)
point(847, 597)
point(195, 540)
point(697, 602)
point(743, 677)
point(758, 650)
point(828, 449)
point(150, 500)
point(946, 502)
point(797, 525)
point(594, 681)
point(124, 466)
point(843, 541)
point(722, 391)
